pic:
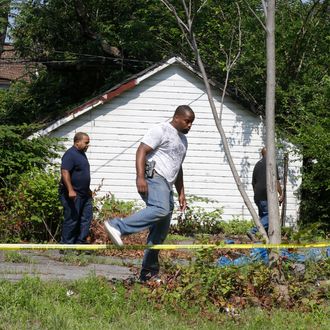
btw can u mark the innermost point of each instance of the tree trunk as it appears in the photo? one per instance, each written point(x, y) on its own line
point(232, 167)
point(274, 231)
point(4, 13)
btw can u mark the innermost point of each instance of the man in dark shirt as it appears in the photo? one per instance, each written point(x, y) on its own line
point(75, 193)
point(259, 184)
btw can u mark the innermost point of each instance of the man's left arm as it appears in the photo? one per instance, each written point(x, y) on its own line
point(280, 192)
point(279, 188)
point(180, 189)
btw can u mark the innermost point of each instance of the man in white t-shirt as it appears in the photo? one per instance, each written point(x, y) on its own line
point(165, 146)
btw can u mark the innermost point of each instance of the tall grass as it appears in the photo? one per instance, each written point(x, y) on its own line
point(91, 303)
point(94, 303)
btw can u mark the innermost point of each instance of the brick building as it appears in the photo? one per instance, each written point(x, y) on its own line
point(11, 67)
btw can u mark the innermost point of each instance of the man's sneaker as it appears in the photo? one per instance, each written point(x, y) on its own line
point(153, 279)
point(251, 236)
point(113, 233)
point(149, 276)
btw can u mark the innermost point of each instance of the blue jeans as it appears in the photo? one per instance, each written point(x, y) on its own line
point(78, 214)
point(156, 217)
point(263, 215)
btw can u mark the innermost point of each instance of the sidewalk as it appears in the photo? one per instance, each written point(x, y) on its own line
point(51, 265)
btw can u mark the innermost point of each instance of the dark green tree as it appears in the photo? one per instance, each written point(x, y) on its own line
point(302, 86)
point(303, 97)
point(84, 47)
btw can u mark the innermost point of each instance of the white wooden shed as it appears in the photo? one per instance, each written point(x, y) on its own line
point(117, 120)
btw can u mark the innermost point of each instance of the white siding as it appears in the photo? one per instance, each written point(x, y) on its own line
point(116, 128)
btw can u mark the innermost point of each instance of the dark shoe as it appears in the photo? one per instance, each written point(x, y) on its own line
point(113, 233)
point(66, 252)
point(84, 252)
point(251, 236)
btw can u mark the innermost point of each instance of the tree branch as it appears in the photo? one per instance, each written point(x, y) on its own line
point(82, 18)
point(186, 28)
point(255, 14)
point(230, 64)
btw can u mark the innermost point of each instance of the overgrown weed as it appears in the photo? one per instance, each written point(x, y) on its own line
point(204, 286)
point(16, 257)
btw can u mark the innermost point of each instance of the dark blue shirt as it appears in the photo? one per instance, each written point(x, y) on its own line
point(259, 181)
point(76, 162)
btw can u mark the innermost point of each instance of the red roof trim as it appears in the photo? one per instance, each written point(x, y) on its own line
point(106, 97)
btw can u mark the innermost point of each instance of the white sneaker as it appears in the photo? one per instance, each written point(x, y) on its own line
point(113, 233)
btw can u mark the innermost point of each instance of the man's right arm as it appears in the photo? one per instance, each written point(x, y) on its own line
point(140, 161)
point(66, 178)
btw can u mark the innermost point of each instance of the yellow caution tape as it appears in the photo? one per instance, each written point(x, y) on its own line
point(158, 246)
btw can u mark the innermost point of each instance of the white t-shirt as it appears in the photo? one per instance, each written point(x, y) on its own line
point(170, 147)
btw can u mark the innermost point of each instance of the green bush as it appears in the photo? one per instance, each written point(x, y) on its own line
point(197, 220)
point(204, 286)
point(19, 154)
point(236, 226)
point(28, 195)
point(33, 209)
point(314, 232)
point(110, 207)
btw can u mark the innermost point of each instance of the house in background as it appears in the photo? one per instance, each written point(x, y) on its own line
point(12, 67)
point(117, 120)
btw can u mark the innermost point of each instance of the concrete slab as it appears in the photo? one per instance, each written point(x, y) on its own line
point(51, 265)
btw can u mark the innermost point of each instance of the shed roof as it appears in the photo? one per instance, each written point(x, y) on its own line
point(127, 84)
